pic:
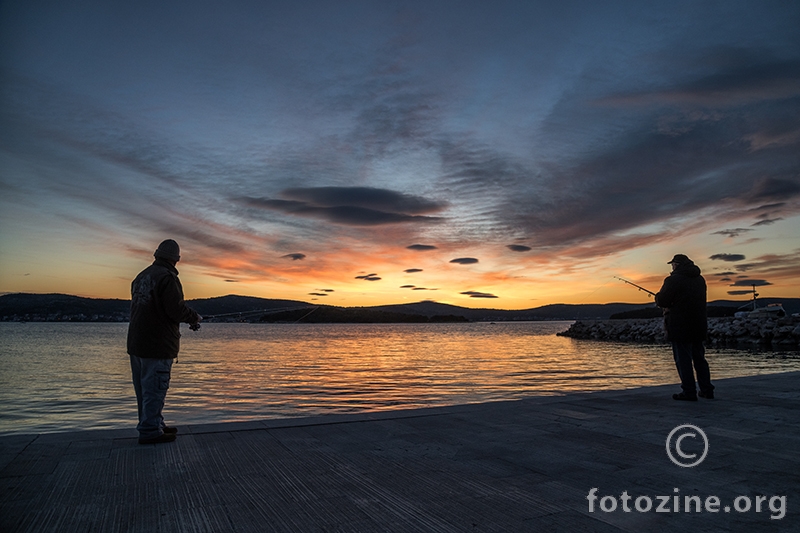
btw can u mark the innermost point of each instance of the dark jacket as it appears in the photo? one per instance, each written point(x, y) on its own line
point(157, 309)
point(683, 298)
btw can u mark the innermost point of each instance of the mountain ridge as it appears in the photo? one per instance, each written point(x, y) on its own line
point(59, 307)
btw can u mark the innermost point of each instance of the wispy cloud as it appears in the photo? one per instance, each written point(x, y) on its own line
point(648, 174)
point(735, 232)
point(739, 81)
point(766, 222)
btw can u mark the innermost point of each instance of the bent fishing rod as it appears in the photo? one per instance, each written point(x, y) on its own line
point(635, 285)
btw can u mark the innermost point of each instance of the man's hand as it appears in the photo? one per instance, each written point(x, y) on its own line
point(196, 325)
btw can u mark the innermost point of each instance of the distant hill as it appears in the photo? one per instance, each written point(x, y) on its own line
point(547, 312)
point(57, 306)
point(223, 305)
point(716, 308)
point(63, 307)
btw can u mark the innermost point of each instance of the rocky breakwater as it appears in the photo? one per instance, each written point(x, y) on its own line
point(780, 333)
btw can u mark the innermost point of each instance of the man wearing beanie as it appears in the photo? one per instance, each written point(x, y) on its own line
point(683, 298)
point(157, 309)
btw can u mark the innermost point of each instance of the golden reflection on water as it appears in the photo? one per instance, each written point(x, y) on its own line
point(77, 376)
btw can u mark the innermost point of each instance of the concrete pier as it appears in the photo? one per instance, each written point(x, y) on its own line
point(525, 465)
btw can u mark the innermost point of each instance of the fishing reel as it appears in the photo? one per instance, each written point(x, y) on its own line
point(195, 326)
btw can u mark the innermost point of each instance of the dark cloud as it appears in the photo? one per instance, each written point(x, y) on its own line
point(352, 206)
point(464, 260)
point(739, 293)
point(365, 197)
point(407, 286)
point(735, 232)
point(423, 289)
point(766, 222)
point(317, 294)
point(725, 279)
point(739, 79)
point(721, 274)
point(421, 247)
point(476, 294)
point(326, 290)
point(368, 277)
point(727, 257)
point(294, 257)
point(412, 270)
point(748, 282)
point(773, 266)
point(769, 207)
point(671, 152)
point(226, 281)
point(519, 248)
point(345, 215)
point(774, 188)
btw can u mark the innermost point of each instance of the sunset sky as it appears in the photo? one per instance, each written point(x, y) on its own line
point(484, 154)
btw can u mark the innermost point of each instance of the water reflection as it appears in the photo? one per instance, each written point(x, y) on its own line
point(76, 376)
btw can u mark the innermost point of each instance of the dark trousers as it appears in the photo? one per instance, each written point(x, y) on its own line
point(688, 354)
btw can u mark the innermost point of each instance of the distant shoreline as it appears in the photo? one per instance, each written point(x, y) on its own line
point(24, 307)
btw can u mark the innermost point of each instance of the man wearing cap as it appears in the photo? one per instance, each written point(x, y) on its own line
point(683, 298)
point(157, 309)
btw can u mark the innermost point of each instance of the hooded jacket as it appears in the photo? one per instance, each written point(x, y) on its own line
point(683, 298)
point(157, 309)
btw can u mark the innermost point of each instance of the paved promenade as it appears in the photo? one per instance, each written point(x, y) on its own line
point(508, 466)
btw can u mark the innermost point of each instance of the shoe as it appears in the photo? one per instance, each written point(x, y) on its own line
point(166, 437)
point(709, 395)
point(169, 430)
point(684, 396)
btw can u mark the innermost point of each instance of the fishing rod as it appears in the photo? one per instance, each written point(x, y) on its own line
point(635, 285)
point(256, 311)
point(195, 327)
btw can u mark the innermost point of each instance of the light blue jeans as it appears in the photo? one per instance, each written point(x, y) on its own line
point(151, 382)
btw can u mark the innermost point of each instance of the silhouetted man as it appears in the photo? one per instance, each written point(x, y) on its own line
point(683, 298)
point(157, 309)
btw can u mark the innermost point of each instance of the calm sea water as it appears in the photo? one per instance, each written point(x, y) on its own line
point(67, 376)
